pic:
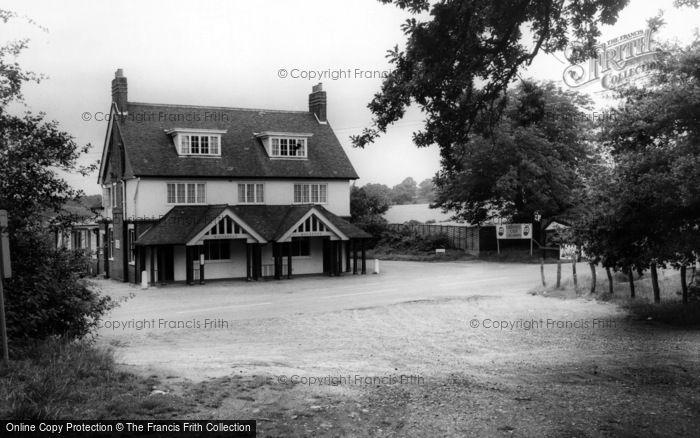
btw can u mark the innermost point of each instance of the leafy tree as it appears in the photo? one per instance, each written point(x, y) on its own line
point(367, 206)
point(426, 191)
point(364, 203)
point(457, 64)
point(45, 296)
point(646, 214)
point(405, 192)
point(532, 162)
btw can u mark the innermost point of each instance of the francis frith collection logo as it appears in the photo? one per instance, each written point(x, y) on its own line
point(618, 61)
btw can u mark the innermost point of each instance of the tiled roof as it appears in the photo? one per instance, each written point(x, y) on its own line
point(151, 151)
point(182, 223)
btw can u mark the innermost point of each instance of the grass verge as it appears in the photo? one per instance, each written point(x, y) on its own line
point(63, 380)
point(670, 310)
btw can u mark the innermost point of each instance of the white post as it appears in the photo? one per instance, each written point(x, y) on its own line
point(144, 279)
point(376, 266)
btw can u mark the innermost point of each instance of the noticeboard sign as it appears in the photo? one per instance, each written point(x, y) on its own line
point(514, 231)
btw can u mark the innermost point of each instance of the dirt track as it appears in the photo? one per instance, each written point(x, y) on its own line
point(557, 368)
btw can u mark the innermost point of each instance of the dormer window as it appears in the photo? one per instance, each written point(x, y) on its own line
point(285, 145)
point(288, 147)
point(200, 142)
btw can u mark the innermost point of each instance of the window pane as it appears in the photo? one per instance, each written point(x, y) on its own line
point(259, 193)
point(204, 144)
point(241, 192)
point(185, 144)
point(171, 194)
point(305, 193)
point(275, 146)
point(191, 193)
point(194, 144)
point(201, 194)
point(214, 144)
point(297, 193)
point(250, 193)
point(314, 193)
point(323, 197)
point(283, 147)
point(225, 250)
point(181, 193)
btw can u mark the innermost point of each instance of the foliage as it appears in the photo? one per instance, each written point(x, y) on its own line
point(45, 297)
point(533, 162)
point(407, 241)
point(426, 192)
point(404, 192)
point(457, 64)
point(364, 203)
point(56, 379)
point(644, 210)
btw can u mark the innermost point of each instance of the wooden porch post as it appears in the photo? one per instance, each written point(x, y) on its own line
point(248, 267)
point(189, 275)
point(339, 262)
point(106, 250)
point(142, 264)
point(364, 257)
point(276, 257)
point(97, 249)
point(289, 260)
point(347, 255)
point(201, 265)
point(257, 261)
point(137, 263)
point(334, 254)
point(354, 256)
point(152, 253)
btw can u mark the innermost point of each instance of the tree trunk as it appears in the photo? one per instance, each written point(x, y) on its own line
point(573, 271)
point(593, 277)
point(558, 273)
point(684, 285)
point(630, 275)
point(610, 281)
point(544, 284)
point(655, 283)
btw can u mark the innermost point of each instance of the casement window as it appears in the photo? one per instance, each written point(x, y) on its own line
point(113, 195)
point(310, 193)
point(217, 250)
point(251, 193)
point(107, 197)
point(186, 193)
point(131, 238)
point(300, 247)
point(287, 147)
point(194, 144)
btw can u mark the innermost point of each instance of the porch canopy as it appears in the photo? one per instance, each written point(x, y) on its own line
point(258, 225)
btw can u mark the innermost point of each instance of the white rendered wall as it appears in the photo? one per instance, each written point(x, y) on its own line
point(151, 194)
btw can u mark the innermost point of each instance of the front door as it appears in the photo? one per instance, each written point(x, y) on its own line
point(166, 264)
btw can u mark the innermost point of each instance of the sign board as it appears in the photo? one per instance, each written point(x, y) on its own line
point(514, 231)
point(567, 252)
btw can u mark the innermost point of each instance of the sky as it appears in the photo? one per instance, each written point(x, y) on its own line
point(262, 54)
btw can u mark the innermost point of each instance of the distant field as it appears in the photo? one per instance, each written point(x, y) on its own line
point(399, 214)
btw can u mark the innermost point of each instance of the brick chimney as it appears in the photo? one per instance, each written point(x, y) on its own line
point(119, 91)
point(317, 102)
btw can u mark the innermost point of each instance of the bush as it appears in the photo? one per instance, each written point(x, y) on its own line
point(405, 240)
point(46, 295)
